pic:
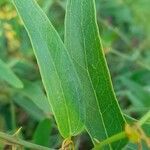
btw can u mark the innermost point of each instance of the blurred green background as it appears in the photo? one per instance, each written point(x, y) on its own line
point(125, 31)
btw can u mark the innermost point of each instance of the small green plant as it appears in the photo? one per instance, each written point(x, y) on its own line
point(76, 79)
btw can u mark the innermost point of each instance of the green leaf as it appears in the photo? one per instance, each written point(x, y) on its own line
point(103, 115)
point(29, 107)
point(59, 76)
point(46, 5)
point(35, 93)
point(42, 133)
point(33, 100)
point(7, 75)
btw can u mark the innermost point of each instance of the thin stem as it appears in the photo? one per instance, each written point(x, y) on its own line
point(116, 31)
point(112, 139)
point(130, 58)
point(122, 55)
point(121, 135)
point(144, 119)
point(137, 109)
point(12, 140)
point(13, 115)
point(144, 65)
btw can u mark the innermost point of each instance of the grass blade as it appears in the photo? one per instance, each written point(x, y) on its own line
point(7, 74)
point(35, 93)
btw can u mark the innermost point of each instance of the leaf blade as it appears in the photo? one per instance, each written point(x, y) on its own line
point(28, 106)
point(7, 74)
point(57, 70)
point(83, 42)
point(42, 133)
point(34, 92)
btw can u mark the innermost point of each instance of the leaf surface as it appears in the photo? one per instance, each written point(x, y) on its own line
point(30, 107)
point(103, 115)
point(34, 92)
point(59, 76)
point(42, 133)
point(33, 99)
point(8, 75)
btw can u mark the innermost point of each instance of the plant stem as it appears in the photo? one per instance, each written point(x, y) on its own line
point(130, 58)
point(144, 119)
point(121, 135)
point(12, 140)
point(112, 139)
point(116, 31)
point(13, 116)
